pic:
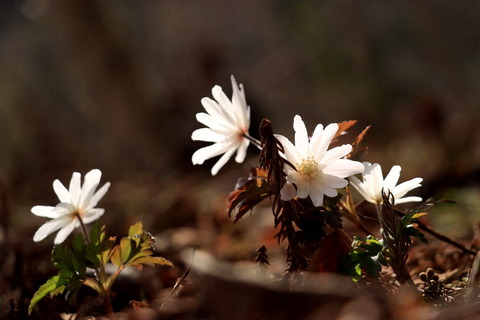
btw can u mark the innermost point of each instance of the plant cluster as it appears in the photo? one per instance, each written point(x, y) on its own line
point(309, 182)
point(84, 261)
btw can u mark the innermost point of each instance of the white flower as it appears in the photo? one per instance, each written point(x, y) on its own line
point(77, 201)
point(317, 172)
point(228, 123)
point(373, 184)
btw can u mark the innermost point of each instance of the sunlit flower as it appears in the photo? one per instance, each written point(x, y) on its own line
point(228, 122)
point(317, 171)
point(373, 184)
point(77, 201)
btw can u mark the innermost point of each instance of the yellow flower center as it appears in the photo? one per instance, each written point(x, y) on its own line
point(308, 168)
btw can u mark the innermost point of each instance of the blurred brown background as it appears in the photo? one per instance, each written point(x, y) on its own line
point(115, 85)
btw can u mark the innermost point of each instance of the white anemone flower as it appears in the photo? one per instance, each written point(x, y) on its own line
point(77, 201)
point(227, 124)
point(373, 184)
point(318, 171)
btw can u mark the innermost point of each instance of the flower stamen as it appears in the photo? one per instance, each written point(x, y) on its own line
point(308, 168)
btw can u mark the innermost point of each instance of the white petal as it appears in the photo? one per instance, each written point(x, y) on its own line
point(328, 185)
point(62, 192)
point(408, 199)
point(212, 108)
point(65, 208)
point(92, 215)
point(239, 105)
point(225, 104)
point(75, 188)
point(290, 152)
point(320, 142)
point(360, 187)
point(219, 114)
point(45, 211)
point(98, 195)
point(209, 152)
point(207, 134)
point(317, 196)
point(329, 181)
point(336, 153)
point(242, 151)
point(221, 162)
point(287, 192)
point(90, 184)
point(373, 179)
point(303, 185)
point(343, 168)
point(65, 232)
point(50, 227)
point(392, 178)
point(404, 187)
point(214, 123)
point(301, 135)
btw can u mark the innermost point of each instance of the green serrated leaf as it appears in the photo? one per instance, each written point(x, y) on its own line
point(96, 232)
point(115, 256)
point(92, 255)
point(78, 243)
point(414, 232)
point(78, 263)
point(125, 249)
point(151, 261)
point(135, 231)
point(62, 257)
point(106, 249)
point(51, 286)
point(143, 253)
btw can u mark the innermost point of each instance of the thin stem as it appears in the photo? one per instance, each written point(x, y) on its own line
point(378, 206)
point(253, 140)
point(100, 272)
point(84, 229)
point(353, 217)
point(440, 236)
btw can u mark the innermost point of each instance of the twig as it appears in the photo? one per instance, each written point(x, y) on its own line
point(440, 236)
point(179, 281)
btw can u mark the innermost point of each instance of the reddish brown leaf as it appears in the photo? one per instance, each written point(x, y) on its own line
point(251, 193)
point(344, 126)
point(357, 154)
point(333, 249)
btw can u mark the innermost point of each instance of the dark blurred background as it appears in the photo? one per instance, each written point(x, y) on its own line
point(115, 85)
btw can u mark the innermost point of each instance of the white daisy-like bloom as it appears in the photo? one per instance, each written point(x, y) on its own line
point(227, 124)
point(373, 184)
point(318, 171)
point(77, 201)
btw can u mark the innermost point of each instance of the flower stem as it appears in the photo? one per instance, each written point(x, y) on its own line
point(253, 140)
point(100, 273)
point(84, 229)
point(378, 206)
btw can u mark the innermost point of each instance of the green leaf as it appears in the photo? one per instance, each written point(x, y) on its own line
point(414, 232)
point(135, 232)
point(107, 249)
point(418, 215)
point(151, 261)
point(116, 257)
point(78, 243)
point(96, 232)
point(62, 257)
point(143, 253)
point(51, 286)
point(125, 249)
